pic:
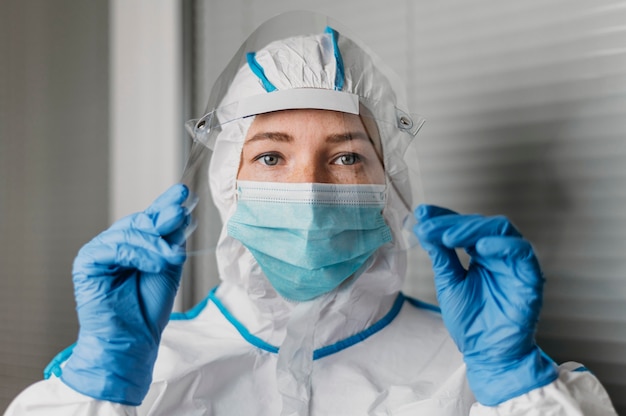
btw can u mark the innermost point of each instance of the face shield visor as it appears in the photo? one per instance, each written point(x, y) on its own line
point(306, 139)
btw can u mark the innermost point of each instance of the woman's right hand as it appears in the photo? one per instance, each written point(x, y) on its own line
point(125, 281)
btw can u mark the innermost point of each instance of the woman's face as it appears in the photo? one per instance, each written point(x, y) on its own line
point(311, 146)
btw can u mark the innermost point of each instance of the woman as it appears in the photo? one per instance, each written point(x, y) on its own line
point(308, 135)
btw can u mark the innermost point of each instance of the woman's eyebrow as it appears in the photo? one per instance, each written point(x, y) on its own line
point(273, 136)
point(284, 137)
point(345, 137)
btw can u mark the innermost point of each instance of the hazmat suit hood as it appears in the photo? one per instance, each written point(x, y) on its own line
point(303, 60)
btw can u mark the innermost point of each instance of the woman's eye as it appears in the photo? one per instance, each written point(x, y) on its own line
point(348, 159)
point(269, 159)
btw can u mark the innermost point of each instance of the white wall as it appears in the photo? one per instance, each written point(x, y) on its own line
point(90, 130)
point(146, 107)
point(524, 102)
point(54, 154)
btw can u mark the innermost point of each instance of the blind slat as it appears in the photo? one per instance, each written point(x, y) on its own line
point(524, 103)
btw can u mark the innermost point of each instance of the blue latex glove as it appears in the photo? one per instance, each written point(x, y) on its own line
point(125, 281)
point(492, 308)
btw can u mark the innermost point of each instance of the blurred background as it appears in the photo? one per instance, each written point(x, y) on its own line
point(526, 116)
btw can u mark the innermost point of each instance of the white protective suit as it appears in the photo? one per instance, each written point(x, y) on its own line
point(362, 349)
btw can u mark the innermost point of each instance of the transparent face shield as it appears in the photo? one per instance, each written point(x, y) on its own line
point(315, 162)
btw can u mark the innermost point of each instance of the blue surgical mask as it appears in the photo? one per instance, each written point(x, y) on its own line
point(309, 237)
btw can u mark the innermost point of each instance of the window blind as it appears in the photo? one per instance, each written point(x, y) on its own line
point(53, 174)
point(525, 106)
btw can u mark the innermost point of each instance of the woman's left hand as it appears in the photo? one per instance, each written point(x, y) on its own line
point(491, 309)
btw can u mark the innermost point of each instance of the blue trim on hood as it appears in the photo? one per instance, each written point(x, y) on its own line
point(340, 71)
point(193, 312)
point(361, 336)
point(54, 367)
point(257, 69)
point(254, 340)
point(423, 305)
point(320, 352)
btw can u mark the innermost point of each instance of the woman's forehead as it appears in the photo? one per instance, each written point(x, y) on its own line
point(320, 123)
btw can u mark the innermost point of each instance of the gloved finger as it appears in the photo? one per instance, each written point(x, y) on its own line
point(177, 238)
point(464, 231)
point(447, 266)
point(171, 223)
point(172, 254)
point(109, 259)
point(505, 247)
point(175, 195)
point(139, 221)
point(517, 257)
point(148, 220)
point(144, 259)
point(424, 212)
point(123, 223)
point(517, 275)
point(142, 251)
point(161, 222)
point(180, 234)
point(170, 219)
point(434, 228)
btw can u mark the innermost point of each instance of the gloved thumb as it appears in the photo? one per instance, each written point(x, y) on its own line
point(446, 264)
point(424, 212)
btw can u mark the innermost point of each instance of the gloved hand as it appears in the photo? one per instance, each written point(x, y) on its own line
point(492, 308)
point(125, 281)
